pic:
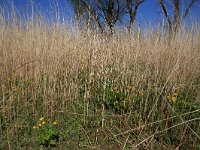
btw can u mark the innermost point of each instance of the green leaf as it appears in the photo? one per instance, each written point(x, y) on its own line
point(52, 142)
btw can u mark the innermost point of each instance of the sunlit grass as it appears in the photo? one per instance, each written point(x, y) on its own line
point(96, 91)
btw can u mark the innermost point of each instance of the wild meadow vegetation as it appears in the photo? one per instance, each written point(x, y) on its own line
point(65, 88)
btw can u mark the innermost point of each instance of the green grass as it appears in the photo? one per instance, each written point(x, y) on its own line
point(107, 113)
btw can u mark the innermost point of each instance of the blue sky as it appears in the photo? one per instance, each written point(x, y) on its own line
point(149, 11)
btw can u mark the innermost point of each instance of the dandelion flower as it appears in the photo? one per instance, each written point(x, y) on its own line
point(174, 99)
point(40, 125)
point(55, 122)
point(43, 122)
point(34, 127)
point(41, 119)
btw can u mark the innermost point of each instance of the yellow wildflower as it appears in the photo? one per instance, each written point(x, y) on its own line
point(43, 122)
point(34, 127)
point(55, 122)
point(168, 97)
point(175, 94)
point(41, 119)
point(174, 99)
point(40, 125)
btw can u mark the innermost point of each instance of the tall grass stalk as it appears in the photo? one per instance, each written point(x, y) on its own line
point(108, 85)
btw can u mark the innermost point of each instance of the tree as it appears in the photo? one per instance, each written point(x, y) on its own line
point(102, 13)
point(174, 22)
point(132, 8)
point(106, 13)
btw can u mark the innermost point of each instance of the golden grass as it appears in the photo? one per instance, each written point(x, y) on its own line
point(46, 60)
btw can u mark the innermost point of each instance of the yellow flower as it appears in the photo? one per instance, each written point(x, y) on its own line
point(43, 122)
point(34, 127)
point(40, 125)
point(41, 119)
point(168, 97)
point(174, 99)
point(175, 94)
point(55, 122)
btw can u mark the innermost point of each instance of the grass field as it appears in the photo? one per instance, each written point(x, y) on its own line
point(64, 89)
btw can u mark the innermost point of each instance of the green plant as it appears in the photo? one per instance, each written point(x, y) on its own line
point(46, 132)
point(117, 100)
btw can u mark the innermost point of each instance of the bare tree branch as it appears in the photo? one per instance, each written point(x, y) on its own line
point(106, 13)
point(175, 22)
point(165, 12)
point(132, 10)
point(188, 9)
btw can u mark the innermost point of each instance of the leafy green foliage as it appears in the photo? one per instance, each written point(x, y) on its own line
point(47, 133)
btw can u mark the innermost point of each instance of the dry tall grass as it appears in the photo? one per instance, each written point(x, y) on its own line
point(41, 65)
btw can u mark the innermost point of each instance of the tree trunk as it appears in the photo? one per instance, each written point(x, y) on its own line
point(132, 13)
point(110, 15)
